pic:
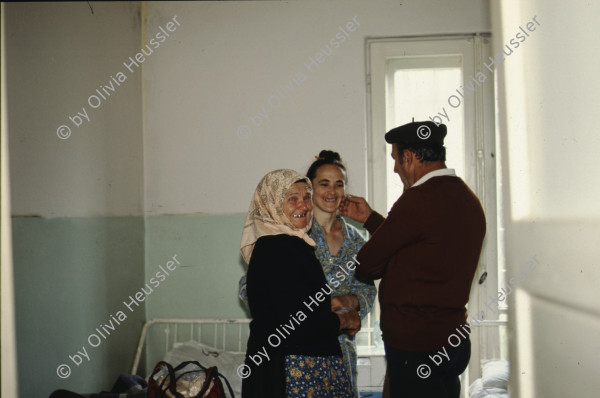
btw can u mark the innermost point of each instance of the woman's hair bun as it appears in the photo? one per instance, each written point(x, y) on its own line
point(330, 156)
point(325, 157)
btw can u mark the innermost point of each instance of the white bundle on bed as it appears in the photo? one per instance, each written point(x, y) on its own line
point(493, 382)
point(226, 362)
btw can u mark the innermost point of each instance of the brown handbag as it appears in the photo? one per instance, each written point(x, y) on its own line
point(188, 380)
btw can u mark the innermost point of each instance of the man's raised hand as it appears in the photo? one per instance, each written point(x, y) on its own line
point(356, 208)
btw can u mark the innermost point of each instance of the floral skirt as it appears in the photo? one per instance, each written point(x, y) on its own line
point(317, 377)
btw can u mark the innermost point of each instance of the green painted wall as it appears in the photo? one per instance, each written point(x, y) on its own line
point(205, 284)
point(71, 275)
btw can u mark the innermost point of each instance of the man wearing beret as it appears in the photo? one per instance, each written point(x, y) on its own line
point(425, 252)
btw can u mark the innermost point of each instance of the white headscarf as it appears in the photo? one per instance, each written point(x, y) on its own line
point(266, 216)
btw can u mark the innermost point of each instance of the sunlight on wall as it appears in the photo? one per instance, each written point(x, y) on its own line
point(516, 116)
point(551, 139)
point(518, 156)
point(525, 372)
point(8, 352)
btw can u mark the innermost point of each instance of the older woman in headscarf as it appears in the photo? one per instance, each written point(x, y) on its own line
point(293, 350)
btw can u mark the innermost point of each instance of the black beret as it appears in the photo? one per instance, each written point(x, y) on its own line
point(418, 134)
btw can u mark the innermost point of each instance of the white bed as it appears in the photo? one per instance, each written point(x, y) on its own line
point(211, 342)
point(222, 343)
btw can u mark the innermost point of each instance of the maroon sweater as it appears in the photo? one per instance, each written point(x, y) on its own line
point(426, 253)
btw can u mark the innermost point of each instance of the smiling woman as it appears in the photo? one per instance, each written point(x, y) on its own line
point(283, 275)
point(337, 245)
point(297, 205)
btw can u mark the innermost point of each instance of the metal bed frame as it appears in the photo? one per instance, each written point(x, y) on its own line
point(221, 328)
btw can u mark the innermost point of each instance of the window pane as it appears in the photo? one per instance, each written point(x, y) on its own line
point(420, 93)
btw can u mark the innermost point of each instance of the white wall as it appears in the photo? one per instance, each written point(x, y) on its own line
point(59, 54)
point(215, 73)
point(548, 103)
point(221, 66)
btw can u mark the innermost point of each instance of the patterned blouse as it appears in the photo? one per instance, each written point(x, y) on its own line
point(353, 241)
point(336, 269)
point(332, 266)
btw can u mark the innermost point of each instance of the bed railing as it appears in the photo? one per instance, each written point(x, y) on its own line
point(216, 332)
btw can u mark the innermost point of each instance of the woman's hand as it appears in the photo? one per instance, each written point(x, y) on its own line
point(349, 320)
point(356, 208)
point(348, 300)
